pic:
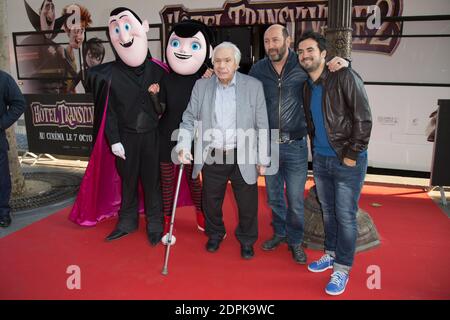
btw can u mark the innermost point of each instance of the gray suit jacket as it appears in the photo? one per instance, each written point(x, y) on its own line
point(251, 114)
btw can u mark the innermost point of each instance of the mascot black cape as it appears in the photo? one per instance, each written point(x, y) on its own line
point(129, 122)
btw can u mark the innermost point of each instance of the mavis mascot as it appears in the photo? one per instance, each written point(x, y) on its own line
point(188, 53)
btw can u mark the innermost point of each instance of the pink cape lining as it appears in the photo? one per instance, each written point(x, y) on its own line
point(99, 196)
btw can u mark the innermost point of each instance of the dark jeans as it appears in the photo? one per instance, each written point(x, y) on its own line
point(5, 184)
point(215, 180)
point(338, 188)
point(288, 218)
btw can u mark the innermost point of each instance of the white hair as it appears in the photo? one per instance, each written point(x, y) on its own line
point(228, 45)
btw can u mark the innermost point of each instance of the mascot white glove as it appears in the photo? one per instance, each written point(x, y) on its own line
point(118, 150)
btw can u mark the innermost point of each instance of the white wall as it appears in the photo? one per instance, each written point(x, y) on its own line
point(400, 114)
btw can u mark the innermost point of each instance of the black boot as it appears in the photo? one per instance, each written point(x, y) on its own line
point(273, 243)
point(154, 238)
point(213, 245)
point(298, 254)
point(116, 234)
point(5, 221)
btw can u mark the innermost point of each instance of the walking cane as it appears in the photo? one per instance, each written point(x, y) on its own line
point(172, 220)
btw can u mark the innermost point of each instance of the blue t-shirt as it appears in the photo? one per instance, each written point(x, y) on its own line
point(321, 144)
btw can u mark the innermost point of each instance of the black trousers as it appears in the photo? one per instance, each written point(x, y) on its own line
point(5, 184)
point(142, 163)
point(215, 180)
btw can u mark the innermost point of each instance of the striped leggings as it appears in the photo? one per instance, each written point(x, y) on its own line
point(168, 185)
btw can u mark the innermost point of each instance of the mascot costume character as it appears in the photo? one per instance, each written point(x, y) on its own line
point(188, 53)
point(100, 194)
point(129, 122)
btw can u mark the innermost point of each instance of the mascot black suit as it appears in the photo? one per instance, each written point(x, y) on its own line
point(130, 125)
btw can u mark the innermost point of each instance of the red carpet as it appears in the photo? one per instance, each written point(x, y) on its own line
point(414, 258)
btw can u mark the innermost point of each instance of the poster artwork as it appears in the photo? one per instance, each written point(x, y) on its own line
point(245, 12)
point(62, 128)
point(54, 58)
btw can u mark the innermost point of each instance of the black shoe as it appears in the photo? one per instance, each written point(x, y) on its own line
point(273, 243)
point(212, 245)
point(247, 251)
point(116, 234)
point(154, 237)
point(298, 254)
point(5, 221)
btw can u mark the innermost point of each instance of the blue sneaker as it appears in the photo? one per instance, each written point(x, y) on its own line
point(324, 263)
point(337, 284)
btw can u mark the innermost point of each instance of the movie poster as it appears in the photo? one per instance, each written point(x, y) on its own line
point(60, 124)
point(54, 58)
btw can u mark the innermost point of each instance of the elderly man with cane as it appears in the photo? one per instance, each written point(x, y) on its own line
point(227, 117)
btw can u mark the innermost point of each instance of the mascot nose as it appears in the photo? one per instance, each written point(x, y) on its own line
point(184, 48)
point(124, 37)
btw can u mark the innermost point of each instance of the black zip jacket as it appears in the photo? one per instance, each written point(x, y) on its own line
point(284, 100)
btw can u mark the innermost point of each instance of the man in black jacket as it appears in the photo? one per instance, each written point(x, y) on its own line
point(283, 79)
point(12, 105)
point(131, 124)
point(339, 123)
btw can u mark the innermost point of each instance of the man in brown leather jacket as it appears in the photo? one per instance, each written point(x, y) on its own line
point(339, 124)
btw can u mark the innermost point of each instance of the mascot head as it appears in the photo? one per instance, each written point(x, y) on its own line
point(128, 35)
point(189, 47)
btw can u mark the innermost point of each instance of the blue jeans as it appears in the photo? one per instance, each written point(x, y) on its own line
point(5, 184)
point(288, 218)
point(338, 189)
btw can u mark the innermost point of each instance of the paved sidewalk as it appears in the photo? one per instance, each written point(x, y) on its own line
point(21, 219)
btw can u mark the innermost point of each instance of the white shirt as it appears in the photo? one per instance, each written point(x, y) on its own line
point(225, 115)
